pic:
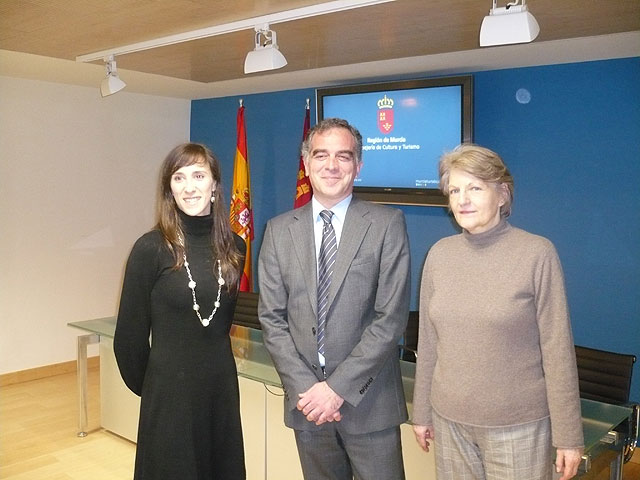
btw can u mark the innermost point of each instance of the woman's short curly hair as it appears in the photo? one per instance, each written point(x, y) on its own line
point(480, 162)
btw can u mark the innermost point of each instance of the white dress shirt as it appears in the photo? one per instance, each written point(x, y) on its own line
point(337, 220)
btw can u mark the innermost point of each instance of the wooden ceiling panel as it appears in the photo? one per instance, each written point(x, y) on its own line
point(571, 19)
point(403, 28)
point(214, 57)
point(95, 25)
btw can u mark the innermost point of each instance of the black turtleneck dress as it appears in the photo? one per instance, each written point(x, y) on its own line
point(190, 413)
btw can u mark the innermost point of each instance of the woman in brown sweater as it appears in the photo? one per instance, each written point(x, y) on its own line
point(496, 380)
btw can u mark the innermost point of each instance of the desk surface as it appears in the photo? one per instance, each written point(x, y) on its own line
point(254, 362)
point(102, 326)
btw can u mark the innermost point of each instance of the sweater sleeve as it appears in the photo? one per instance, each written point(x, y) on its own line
point(426, 357)
point(131, 341)
point(558, 353)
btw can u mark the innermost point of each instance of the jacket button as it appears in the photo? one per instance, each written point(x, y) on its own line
point(313, 330)
point(314, 366)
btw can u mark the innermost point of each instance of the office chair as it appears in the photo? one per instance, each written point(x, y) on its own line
point(246, 313)
point(606, 377)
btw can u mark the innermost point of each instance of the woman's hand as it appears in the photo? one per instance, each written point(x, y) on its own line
point(423, 434)
point(567, 462)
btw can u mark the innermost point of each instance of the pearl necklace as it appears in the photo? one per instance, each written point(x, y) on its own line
point(192, 285)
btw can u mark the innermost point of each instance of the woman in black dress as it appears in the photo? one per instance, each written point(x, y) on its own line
point(180, 288)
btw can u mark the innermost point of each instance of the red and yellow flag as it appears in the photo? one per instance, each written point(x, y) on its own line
point(303, 185)
point(241, 213)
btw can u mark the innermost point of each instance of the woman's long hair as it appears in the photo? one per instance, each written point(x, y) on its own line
point(222, 242)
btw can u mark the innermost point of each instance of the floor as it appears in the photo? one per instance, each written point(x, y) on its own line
point(38, 441)
point(38, 425)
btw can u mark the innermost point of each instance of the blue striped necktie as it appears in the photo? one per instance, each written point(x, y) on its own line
point(326, 259)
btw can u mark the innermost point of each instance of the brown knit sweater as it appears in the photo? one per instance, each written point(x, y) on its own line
point(495, 345)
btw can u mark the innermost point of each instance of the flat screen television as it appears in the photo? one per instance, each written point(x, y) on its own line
point(406, 126)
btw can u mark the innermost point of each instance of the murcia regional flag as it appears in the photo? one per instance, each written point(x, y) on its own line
point(303, 184)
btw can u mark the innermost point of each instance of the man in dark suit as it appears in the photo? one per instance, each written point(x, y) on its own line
point(334, 300)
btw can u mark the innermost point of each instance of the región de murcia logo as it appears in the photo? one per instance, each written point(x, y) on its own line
point(385, 115)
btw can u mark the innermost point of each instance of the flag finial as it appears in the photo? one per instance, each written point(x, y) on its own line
point(241, 101)
point(307, 104)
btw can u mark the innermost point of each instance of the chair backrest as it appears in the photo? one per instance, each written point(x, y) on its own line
point(246, 313)
point(409, 345)
point(604, 376)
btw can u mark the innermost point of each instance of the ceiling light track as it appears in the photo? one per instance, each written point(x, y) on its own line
point(246, 24)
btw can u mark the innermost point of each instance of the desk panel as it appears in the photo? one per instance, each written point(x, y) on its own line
point(254, 363)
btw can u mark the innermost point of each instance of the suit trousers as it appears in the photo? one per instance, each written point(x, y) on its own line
point(332, 454)
point(467, 452)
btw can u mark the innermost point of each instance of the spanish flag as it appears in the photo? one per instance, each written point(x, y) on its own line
point(303, 185)
point(241, 214)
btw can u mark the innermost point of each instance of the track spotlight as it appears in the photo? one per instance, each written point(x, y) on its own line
point(512, 23)
point(112, 83)
point(265, 55)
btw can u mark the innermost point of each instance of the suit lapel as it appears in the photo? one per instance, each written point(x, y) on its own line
point(301, 230)
point(356, 225)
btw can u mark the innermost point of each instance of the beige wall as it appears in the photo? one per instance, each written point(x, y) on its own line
point(77, 186)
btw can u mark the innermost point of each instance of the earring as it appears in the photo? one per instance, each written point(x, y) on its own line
point(213, 196)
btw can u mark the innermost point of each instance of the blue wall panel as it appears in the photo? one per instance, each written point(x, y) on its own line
point(274, 124)
point(574, 151)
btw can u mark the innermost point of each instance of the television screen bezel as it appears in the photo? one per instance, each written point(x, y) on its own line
point(407, 196)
